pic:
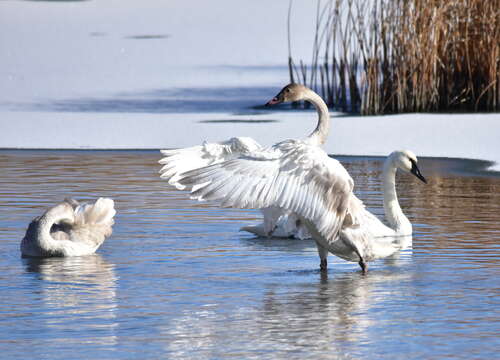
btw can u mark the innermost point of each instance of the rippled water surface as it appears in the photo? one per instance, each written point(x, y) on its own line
point(177, 280)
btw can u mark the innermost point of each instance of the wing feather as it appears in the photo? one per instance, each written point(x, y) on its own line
point(292, 175)
point(178, 161)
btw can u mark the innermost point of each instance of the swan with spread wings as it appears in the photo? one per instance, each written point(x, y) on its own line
point(302, 178)
point(298, 176)
point(278, 222)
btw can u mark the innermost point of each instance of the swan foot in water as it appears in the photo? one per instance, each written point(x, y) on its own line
point(270, 233)
point(364, 266)
point(323, 265)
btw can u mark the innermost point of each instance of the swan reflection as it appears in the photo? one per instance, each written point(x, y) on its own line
point(336, 312)
point(79, 294)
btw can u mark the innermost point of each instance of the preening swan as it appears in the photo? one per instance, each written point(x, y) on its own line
point(302, 178)
point(277, 221)
point(69, 229)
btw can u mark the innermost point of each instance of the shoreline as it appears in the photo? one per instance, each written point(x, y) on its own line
point(428, 135)
point(458, 166)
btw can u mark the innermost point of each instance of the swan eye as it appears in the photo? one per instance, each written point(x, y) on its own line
point(287, 90)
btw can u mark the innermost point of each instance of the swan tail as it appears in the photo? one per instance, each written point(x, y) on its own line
point(74, 203)
point(257, 230)
point(99, 213)
point(279, 223)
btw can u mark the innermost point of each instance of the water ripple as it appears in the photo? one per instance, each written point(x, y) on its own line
point(178, 276)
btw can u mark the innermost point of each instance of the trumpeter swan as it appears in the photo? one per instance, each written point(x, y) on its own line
point(69, 229)
point(277, 222)
point(302, 178)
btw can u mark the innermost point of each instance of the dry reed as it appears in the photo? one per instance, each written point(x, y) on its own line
point(393, 56)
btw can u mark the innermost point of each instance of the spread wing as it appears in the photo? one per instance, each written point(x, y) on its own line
point(178, 161)
point(292, 175)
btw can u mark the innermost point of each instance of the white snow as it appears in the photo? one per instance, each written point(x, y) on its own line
point(71, 76)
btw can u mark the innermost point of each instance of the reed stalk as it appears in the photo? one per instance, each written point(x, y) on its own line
point(394, 56)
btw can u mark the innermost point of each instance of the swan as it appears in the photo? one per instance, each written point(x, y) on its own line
point(69, 229)
point(277, 221)
point(364, 237)
point(302, 178)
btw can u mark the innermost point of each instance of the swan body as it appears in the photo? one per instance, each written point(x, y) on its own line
point(278, 222)
point(69, 229)
point(363, 237)
point(300, 177)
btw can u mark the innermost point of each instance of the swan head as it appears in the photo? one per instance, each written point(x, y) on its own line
point(290, 93)
point(406, 160)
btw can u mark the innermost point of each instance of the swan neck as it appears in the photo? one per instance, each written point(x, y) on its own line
point(51, 217)
point(393, 213)
point(45, 225)
point(320, 134)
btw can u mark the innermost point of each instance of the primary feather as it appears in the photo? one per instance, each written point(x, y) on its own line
point(300, 177)
point(277, 221)
point(292, 175)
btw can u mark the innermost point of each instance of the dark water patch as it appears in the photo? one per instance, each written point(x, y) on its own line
point(57, 0)
point(440, 165)
point(174, 100)
point(97, 34)
point(255, 68)
point(292, 107)
point(238, 121)
point(147, 36)
point(252, 112)
point(469, 167)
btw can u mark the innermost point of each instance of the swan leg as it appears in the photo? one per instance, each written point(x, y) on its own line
point(270, 233)
point(271, 217)
point(364, 266)
point(323, 265)
point(362, 262)
point(323, 254)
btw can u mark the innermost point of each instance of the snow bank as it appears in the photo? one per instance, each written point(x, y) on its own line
point(474, 136)
point(124, 74)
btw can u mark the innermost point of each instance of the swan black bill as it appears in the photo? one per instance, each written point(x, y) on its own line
point(415, 171)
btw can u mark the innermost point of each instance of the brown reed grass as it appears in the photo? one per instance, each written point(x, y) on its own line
point(394, 56)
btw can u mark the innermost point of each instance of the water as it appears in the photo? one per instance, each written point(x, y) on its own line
point(177, 280)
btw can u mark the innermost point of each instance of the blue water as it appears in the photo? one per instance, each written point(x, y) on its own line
point(177, 280)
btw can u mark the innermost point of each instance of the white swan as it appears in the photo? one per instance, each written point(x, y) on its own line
point(69, 229)
point(302, 178)
point(363, 237)
point(278, 222)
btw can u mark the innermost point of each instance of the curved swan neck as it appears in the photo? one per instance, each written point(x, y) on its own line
point(55, 215)
point(393, 213)
point(320, 134)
